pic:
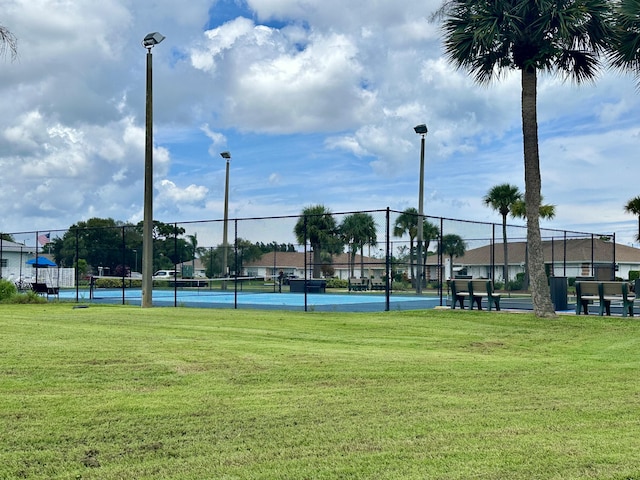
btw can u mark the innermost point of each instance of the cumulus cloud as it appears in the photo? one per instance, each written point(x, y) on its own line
point(316, 99)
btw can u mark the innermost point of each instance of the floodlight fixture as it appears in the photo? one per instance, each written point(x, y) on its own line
point(421, 129)
point(152, 39)
point(226, 155)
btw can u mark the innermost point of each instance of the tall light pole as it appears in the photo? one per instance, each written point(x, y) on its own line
point(225, 230)
point(420, 130)
point(149, 42)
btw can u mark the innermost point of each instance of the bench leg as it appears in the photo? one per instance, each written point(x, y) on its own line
point(585, 306)
point(460, 299)
point(495, 302)
point(478, 301)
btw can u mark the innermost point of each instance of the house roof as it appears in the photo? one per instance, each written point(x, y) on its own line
point(577, 251)
point(296, 260)
point(16, 247)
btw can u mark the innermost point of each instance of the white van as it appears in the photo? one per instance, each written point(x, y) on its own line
point(164, 275)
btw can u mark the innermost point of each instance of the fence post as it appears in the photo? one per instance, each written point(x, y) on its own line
point(235, 267)
point(306, 274)
point(387, 305)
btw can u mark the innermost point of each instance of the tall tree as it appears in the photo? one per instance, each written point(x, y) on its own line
point(452, 245)
point(194, 250)
point(501, 198)
point(358, 230)
point(486, 37)
point(318, 226)
point(429, 232)
point(407, 224)
point(633, 207)
point(626, 48)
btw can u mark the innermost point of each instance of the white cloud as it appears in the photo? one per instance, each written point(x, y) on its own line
point(316, 100)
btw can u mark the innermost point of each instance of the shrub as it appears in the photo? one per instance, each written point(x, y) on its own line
point(27, 297)
point(7, 289)
point(117, 283)
point(518, 283)
point(337, 283)
point(634, 275)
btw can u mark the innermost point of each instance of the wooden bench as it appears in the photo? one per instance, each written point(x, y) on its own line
point(44, 289)
point(358, 284)
point(604, 293)
point(483, 288)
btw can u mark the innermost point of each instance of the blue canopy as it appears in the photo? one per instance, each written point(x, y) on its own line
point(41, 262)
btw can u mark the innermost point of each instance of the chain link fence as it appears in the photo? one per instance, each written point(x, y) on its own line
point(364, 261)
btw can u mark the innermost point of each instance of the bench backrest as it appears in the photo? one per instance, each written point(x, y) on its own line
point(587, 288)
point(39, 287)
point(458, 286)
point(481, 286)
point(614, 288)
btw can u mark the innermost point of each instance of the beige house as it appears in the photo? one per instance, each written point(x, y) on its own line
point(293, 264)
point(582, 257)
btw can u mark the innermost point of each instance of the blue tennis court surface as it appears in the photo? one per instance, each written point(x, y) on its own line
point(284, 301)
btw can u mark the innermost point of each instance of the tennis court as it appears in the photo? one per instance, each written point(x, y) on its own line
point(206, 298)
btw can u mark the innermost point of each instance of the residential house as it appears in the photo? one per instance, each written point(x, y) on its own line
point(13, 258)
point(293, 264)
point(583, 257)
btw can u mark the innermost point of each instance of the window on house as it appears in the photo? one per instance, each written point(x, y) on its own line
point(586, 270)
point(3, 263)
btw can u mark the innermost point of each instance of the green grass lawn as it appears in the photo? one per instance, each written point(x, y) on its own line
point(121, 392)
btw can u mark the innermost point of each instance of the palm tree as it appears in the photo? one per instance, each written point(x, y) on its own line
point(317, 225)
point(486, 37)
point(194, 250)
point(358, 230)
point(626, 49)
point(633, 207)
point(501, 198)
point(407, 223)
point(8, 42)
point(429, 232)
point(452, 245)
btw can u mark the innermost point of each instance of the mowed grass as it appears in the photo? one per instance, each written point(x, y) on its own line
point(120, 392)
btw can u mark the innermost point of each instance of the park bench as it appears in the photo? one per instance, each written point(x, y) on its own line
point(483, 288)
point(589, 292)
point(358, 284)
point(378, 283)
point(313, 285)
point(44, 289)
point(475, 291)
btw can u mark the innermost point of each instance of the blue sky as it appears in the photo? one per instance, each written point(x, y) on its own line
point(315, 100)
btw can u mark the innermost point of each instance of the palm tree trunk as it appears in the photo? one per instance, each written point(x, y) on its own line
point(540, 293)
point(317, 260)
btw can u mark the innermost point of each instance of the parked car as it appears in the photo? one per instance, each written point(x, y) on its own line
point(164, 275)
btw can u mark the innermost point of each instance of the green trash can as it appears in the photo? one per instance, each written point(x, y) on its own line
point(558, 287)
